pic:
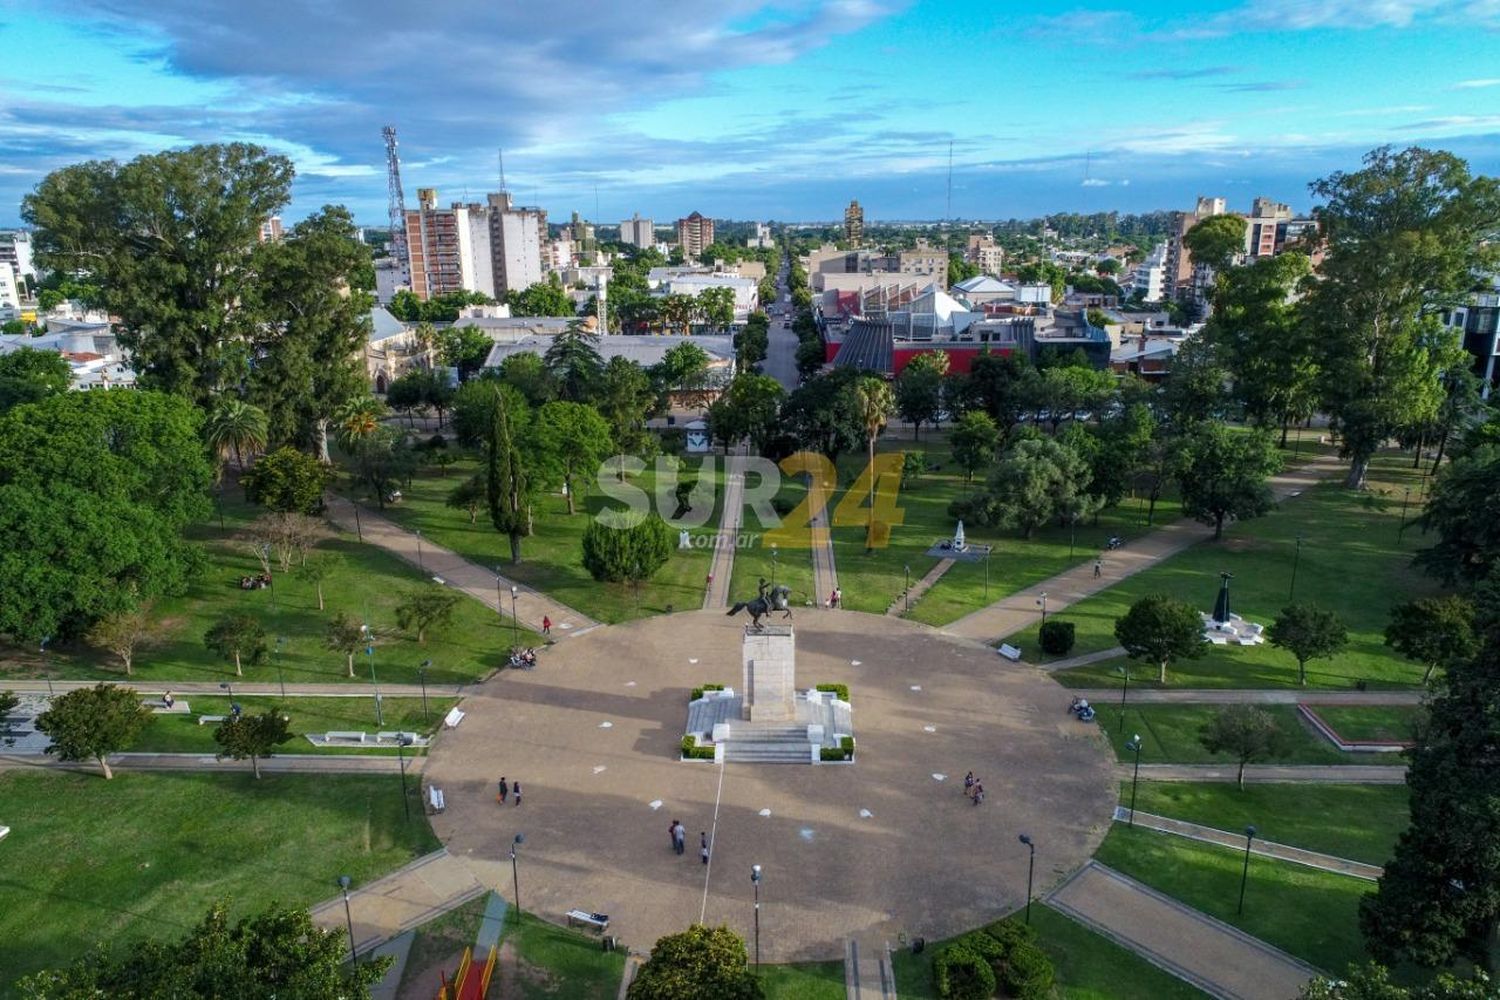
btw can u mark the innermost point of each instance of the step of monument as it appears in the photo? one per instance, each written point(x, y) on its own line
point(768, 753)
point(744, 733)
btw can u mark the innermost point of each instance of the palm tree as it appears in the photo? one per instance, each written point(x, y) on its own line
point(358, 420)
point(874, 401)
point(426, 337)
point(235, 426)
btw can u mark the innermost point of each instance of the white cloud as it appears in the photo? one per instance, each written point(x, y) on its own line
point(1095, 182)
point(1476, 84)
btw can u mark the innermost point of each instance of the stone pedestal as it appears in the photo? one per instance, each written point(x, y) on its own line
point(770, 682)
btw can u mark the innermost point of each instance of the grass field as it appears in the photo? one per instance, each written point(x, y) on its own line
point(1305, 912)
point(1390, 723)
point(1169, 735)
point(551, 559)
point(1359, 822)
point(803, 981)
point(791, 564)
point(183, 734)
point(556, 962)
point(1351, 563)
point(90, 861)
point(441, 938)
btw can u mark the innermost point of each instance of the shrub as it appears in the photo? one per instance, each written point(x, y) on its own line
point(1027, 972)
point(1057, 637)
point(840, 691)
point(963, 975)
point(1010, 933)
point(692, 751)
point(436, 442)
point(831, 753)
point(846, 743)
point(984, 945)
point(698, 691)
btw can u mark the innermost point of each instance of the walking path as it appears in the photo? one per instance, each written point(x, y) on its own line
point(1264, 848)
point(820, 538)
point(431, 885)
point(867, 971)
point(1081, 660)
point(1013, 613)
point(1260, 696)
point(1353, 774)
point(1219, 959)
point(484, 585)
point(244, 689)
point(903, 602)
point(721, 566)
point(280, 764)
point(398, 948)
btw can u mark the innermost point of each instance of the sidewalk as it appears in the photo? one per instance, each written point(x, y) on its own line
point(1263, 848)
point(429, 886)
point(479, 582)
point(1242, 696)
point(1331, 774)
point(247, 689)
point(721, 565)
point(280, 764)
point(1219, 959)
point(820, 540)
point(1013, 613)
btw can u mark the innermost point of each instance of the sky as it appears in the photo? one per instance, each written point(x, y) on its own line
point(749, 109)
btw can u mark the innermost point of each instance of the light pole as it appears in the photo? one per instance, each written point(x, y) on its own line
point(1030, 872)
point(515, 876)
point(280, 677)
point(515, 621)
point(1041, 602)
point(370, 652)
point(774, 554)
point(344, 881)
point(270, 577)
point(1245, 873)
point(42, 649)
point(1296, 558)
point(499, 598)
point(420, 566)
point(1135, 745)
point(906, 594)
point(358, 529)
point(226, 686)
point(1124, 689)
point(402, 742)
point(755, 880)
point(1405, 499)
point(422, 676)
point(987, 549)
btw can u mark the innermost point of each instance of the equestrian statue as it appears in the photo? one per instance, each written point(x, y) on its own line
point(766, 601)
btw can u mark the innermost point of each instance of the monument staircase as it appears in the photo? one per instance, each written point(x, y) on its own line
point(763, 743)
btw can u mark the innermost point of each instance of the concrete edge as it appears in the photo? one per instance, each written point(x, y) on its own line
point(1308, 859)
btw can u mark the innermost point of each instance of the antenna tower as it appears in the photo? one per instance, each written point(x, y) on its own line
point(500, 156)
point(396, 204)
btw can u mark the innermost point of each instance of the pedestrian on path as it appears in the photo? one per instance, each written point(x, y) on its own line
point(978, 793)
point(703, 850)
point(969, 783)
point(1098, 565)
point(547, 625)
point(677, 835)
point(168, 700)
point(517, 790)
point(504, 790)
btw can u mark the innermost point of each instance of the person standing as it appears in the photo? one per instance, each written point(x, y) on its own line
point(679, 837)
point(517, 789)
point(703, 848)
point(504, 790)
point(547, 623)
point(1098, 566)
point(978, 796)
point(969, 783)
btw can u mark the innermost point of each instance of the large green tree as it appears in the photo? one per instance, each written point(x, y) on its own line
point(573, 361)
point(974, 440)
point(1434, 631)
point(696, 963)
point(237, 637)
point(27, 375)
point(544, 298)
point(919, 389)
point(625, 398)
point(509, 483)
point(626, 555)
point(1308, 632)
point(746, 409)
point(425, 607)
point(170, 240)
point(1036, 480)
point(823, 415)
point(234, 427)
point(1216, 241)
point(1159, 629)
point(1404, 237)
point(1463, 510)
point(1222, 474)
point(288, 481)
point(1244, 732)
point(574, 439)
point(92, 723)
point(251, 737)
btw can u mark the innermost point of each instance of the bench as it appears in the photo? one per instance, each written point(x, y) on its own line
point(594, 921)
point(1009, 652)
point(413, 739)
point(204, 720)
point(435, 798)
point(453, 718)
point(344, 737)
point(160, 707)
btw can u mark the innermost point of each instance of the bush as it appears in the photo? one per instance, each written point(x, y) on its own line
point(1010, 933)
point(1027, 973)
point(963, 975)
point(840, 691)
point(984, 945)
point(627, 554)
point(698, 691)
point(844, 751)
point(1057, 637)
point(436, 442)
point(692, 751)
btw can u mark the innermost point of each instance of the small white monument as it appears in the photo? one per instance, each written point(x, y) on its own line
point(769, 677)
point(959, 545)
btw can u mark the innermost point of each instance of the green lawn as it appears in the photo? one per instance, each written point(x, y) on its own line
point(804, 981)
point(1308, 913)
point(551, 558)
point(1358, 822)
point(1169, 735)
point(1089, 966)
point(183, 734)
point(92, 862)
point(1350, 563)
point(441, 938)
point(791, 564)
point(1393, 723)
point(557, 962)
point(367, 584)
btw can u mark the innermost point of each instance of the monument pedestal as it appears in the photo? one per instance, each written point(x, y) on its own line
point(769, 675)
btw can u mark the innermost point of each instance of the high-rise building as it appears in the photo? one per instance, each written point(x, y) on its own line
point(434, 252)
point(637, 232)
point(490, 248)
point(694, 233)
point(1149, 275)
point(15, 250)
point(1267, 219)
point(854, 224)
point(516, 238)
point(581, 232)
point(10, 297)
point(1177, 272)
point(270, 229)
point(762, 238)
point(985, 253)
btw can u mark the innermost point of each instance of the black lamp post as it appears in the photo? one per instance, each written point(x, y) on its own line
point(1124, 690)
point(43, 650)
point(422, 677)
point(499, 597)
point(906, 594)
point(774, 554)
point(344, 881)
point(1405, 499)
point(420, 565)
point(370, 652)
point(1296, 558)
point(755, 880)
point(1041, 602)
point(1030, 871)
point(280, 677)
point(987, 549)
point(402, 742)
point(1245, 873)
point(270, 577)
point(226, 686)
point(515, 876)
point(515, 621)
point(1134, 745)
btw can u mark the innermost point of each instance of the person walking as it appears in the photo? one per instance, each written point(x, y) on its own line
point(517, 789)
point(969, 783)
point(1098, 566)
point(978, 796)
point(703, 849)
point(547, 623)
point(504, 790)
point(679, 837)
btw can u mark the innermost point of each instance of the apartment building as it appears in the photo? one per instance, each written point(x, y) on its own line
point(637, 232)
point(517, 236)
point(1177, 274)
point(15, 250)
point(491, 248)
point(854, 224)
point(270, 229)
point(694, 233)
point(985, 253)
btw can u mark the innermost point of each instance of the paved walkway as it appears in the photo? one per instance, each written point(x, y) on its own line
point(1240, 696)
point(1264, 848)
point(721, 566)
point(1221, 960)
point(410, 896)
point(904, 602)
point(867, 971)
point(1082, 660)
point(1353, 774)
point(482, 584)
point(820, 539)
point(279, 764)
point(1017, 611)
point(247, 689)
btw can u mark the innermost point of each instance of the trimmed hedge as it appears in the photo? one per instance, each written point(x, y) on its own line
point(698, 691)
point(692, 751)
point(1003, 955)
point(1027, 972)
point(844, 751)
point(963, 975)
point(1056, 637)
point(840, 691)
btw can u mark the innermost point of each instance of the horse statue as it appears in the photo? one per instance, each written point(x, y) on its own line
point(773, 600)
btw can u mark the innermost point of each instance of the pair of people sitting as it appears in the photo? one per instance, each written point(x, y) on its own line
point(1082, 709)
point(257, 582)
point(523, 657)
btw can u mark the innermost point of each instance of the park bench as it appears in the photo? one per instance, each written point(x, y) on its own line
point(1009, 652)
point(593, 921)
point(344, 737)
point(412, 739)
point(204, 720)
point(436, 799)
point(453, 718)
point(160, 707)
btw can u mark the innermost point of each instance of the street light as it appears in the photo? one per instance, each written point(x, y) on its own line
point(280, 677)
point(344, 881)
point(1405, 499)
point(420, 566)
point(370, 652)
point(515, 621)
point(515, 877)
point(499, 598)
point(422, 676)
point(774, 554)
point(226, 686)
point(270, 577)
point(1124, 689)
point(1030, 872)
point(1041, 602)
point(755, 880)
point(1296, 558)
point(1245, 874)
point(43, 651)
point(402, 742)
point(907, 592)
point(1135, 745)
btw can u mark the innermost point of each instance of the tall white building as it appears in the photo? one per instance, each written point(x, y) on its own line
point(10, 298)
point(15, 250)
point(762, 238)
point(516, 239)
point(1150, 275)
point(638, 232)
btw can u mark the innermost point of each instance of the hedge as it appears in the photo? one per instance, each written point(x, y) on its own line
point(963, 975)
point(698, 691)
point(1027, 972)
point(692, 751)
point(1056, 637)
point(840, 691)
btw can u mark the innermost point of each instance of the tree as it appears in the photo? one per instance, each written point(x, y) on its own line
point(95, 491)
point(1037, 480)
point(466, 348)
point(1463, 510)
point(543, 298)
point(874, 402)
point(974, 440)
point(317, 568)
point(345, 635)
point(288, 481)
point(1216, 241)
point(1309, 633)
point(27, 375)
point(717, 306)
point(1159, 629)
point(753, 343)
point(746, 409)
point(1223, 475)
point(289, 536)
point(425, 607)
point(470, 495)
point(252, 736)
point(1373, 982)
point(408, 393)
point(358, 420)
point(811, 356)
point(1245, 732)
point(1404, 236)
point(237, 637)
point(9, 700)
point(624, 397)
point(683, 370)
point(573, 361)
point(527, 373)
point(698, 962)
point(276, 953)
point(508, 483)
point(123, 633)
point(823, 414)
point(92, 723)
point(234, 427)
point(380, 460)
point(170, 240)
point(575, 439)
point(998, 385)
point(919, 389)
point(1435, 631)
point(626, 555)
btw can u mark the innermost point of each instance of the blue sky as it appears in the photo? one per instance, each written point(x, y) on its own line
point(747, 109)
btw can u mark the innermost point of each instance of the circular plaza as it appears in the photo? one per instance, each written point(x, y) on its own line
point(884, 846)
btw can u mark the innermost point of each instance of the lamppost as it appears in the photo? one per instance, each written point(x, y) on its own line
point(370, 652)
point(1030, 872)
point(1405, 499)
point(42, 649)
point(906, 594)
point(402, 742)
point(1041, 602)
point(515, 877)
point(1134, 745)
point(1296, 558)
point(226, 686)
point(499, 598)
point(280, 677)
point(987, 549)
point(270, 577)
point(515, 621)
point(420, 566)
point(422, 676)
point(774, 554)
point(1245, 873)
point(358, 529)
point(344, 881)
point(1124, 689)
point(755, 880)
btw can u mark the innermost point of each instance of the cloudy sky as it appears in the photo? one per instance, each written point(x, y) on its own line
point(745, 108)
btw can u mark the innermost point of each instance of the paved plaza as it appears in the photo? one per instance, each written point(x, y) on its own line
point(870, 850)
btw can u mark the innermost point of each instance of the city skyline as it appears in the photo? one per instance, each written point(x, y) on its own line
point(758, 110)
